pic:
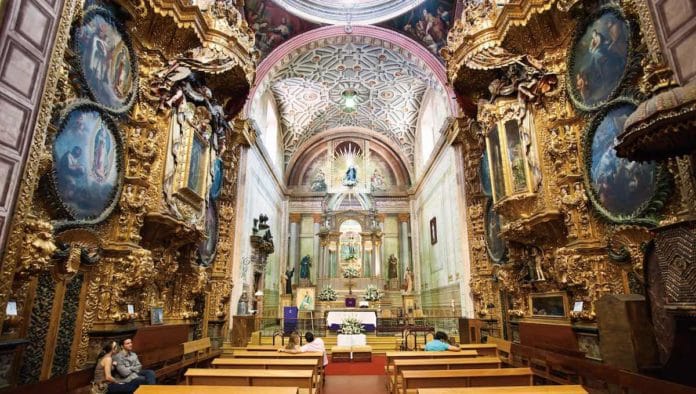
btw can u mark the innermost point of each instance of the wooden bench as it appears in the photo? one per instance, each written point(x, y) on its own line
point(215, 390)
point(504, 348)
point(391, 356)
point(199, 352)
point(263, 348)
point(161, 348)
point(569, 389)
point(304, 379)
point(483, 349)
point(361, 353)
point(277, 354)
point(340, 353)
point(272, 363)
point(440, 363)
point(414, 380)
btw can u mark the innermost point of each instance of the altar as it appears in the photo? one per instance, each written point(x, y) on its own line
point(368, 317)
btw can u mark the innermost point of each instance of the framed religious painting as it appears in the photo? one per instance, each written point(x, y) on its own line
point(192, 181)
point(87, 164)
point(106, 60)
point(497, 249)
point(549, 305)
point(156, 315)
point(305, 299)
point(600, 58)
point(622, 191)
point(207, 247)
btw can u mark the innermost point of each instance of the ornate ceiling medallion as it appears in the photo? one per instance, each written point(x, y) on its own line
point(347, 12)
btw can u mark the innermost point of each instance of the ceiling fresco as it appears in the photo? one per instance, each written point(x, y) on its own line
point(272, 24)
point(427, 22)
point(389, 84)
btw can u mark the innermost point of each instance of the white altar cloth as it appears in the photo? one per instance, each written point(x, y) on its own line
point(365, 317)
point(351, 340)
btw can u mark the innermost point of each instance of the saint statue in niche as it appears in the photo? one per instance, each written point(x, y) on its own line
point(408, 280)
point(393, 262)
point(351, 177)
point(305, 263)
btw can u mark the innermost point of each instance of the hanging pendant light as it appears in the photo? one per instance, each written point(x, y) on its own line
point(350, 100)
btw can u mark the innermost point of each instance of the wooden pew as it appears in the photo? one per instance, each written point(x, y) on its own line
point(504, 348)
point(569, 389)
point(391, 356)
point(161, 348)
point(199, 352)
point(277, 354)
point(483, 349)
point(413, 380)
point(263, 348)
point(215, 390)
point(264, 363)
point(441, 363)
point(303, 379)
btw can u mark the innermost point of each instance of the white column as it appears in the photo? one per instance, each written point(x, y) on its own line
point(294, 243)
point(403, 244)
point(316, 259)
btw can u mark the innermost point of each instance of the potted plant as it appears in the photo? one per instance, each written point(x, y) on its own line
point(328, 294)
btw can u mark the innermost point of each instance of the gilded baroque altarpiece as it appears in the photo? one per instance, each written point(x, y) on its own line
point(163, 81)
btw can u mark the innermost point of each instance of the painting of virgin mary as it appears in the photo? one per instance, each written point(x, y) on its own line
point(85, 163)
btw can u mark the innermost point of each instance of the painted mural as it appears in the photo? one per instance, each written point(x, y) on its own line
point(494, 243)
point(85, 163)
point(272, 24)
point(106, 61)
point(428, 24)
point(208, 246)
point(599, 59)
point(620, 186)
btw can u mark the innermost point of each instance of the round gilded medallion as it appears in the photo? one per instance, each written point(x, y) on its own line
point(494, 243)
point(87, 163)
point(208, 246)
point(599, 59)
point(619, 188)
point(107, 63)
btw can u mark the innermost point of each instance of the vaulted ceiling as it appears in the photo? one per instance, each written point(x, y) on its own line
point(354, 11)
point(390, 83)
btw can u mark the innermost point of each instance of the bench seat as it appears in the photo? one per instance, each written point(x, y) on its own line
point(340, 353)
point(362, 353)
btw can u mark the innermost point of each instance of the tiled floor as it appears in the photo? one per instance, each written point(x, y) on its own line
point(356, 384)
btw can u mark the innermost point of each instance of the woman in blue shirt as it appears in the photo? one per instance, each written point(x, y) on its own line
point(439, 344)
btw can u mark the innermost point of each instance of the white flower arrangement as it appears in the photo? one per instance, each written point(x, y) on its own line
point(351, 325)
point(350, 272)
point(372, 293)
point(328, 294)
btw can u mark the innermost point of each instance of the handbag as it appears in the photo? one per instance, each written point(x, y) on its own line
point(99, 388)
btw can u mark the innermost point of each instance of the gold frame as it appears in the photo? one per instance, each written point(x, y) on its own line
point(562, 294)
point(502, 112)
point(181, 178)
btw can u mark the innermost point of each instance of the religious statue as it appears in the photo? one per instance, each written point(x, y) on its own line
point(351, 177)
point(408, 280)
point(288, 280)
point(305, 263)
point(393, 262)
point(243, 304)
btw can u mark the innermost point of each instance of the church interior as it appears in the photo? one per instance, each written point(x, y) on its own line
point(512, 180)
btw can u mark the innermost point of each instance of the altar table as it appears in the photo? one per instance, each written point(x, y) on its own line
point(351, 340)
point(367, 318)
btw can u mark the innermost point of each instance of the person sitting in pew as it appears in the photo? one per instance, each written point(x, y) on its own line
point(293, 342)
point(313, 345)
point(104, 381)
point(440, 344)
point(128, 366)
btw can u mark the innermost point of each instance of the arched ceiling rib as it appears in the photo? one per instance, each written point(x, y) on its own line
point(390, 83)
